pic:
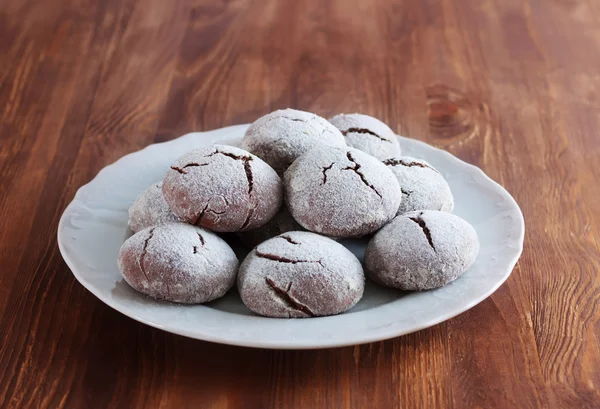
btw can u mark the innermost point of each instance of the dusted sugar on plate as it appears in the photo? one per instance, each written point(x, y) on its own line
point(300, 274)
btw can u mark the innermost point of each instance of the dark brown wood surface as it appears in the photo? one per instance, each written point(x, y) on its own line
point(512, 86)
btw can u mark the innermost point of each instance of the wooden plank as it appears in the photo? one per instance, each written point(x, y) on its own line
point(116, 33)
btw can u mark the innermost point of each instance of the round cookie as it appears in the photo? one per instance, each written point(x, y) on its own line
point(223, 188)
point(421, 251)
point(178, 262)
point(280, 137)
point(341, 192)
point(300, 274)
point(368, 134)
point(282, 222)
point(422, 186)
point(150, 209)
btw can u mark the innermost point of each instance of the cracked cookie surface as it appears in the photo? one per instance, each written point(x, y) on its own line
point(150, 209)
point(341, 192)
point(281, 136)
point(223, 188)
point(178, 262)
point(368, 134)
point(423, 187)
point(300, 274)
point(421, 250)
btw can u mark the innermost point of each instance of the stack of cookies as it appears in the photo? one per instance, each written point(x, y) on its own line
point(297, 184)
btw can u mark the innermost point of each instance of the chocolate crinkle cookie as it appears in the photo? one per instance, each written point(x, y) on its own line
point(422, 186)
point(223, 188)
point(178, 262)
point(300, 274)
point(150, 209)
point(368, 134)
point(280, 137)
point(282, 222)
point(341, 192)
point(421, 250)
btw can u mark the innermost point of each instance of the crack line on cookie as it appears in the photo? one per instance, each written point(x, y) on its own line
point(406, 192)
point(246, 161)
point(324, 171)
point(288, 239)
point(288, 299)
point(356, 169)
point(249, 177)
point(203, 212)
point(364, 131)
point(281, 259)
point(201, 243)
point(230, 155)
point(401, 162)
point(200, 215)
point(425, 229)
point(248, 217)
point(143, 255)
point(189, 165)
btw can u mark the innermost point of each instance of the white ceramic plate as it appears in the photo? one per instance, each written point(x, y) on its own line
point(94, 226)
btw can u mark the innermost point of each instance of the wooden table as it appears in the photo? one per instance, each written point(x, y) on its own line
point(512, 86)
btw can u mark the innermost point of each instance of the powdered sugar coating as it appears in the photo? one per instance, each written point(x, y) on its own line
point(422, 186)
point(300, 274)
point(282, 136)
point(341, 192)
point(368, 134)
point(421, 250)
point(178, 262)
point(282, 222)
point(223, 188)
point(150, 209)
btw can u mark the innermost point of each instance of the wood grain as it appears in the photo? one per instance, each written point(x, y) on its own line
point(509, 85)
